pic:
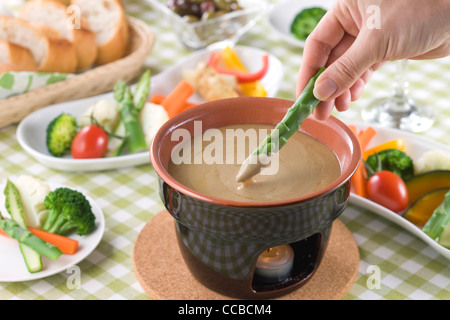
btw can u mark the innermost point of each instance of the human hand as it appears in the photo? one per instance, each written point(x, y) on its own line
point(352, 44)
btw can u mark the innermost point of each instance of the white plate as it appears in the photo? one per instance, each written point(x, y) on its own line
point(12, 265)
point(281, 17)
point(31, 132)
point(415, 146)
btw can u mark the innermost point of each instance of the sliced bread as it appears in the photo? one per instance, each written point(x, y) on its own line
point(69, 26)
point(107, 19)
point(51, 55)
point(15, 58)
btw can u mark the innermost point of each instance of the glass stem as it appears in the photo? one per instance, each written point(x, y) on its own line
point(401, 84)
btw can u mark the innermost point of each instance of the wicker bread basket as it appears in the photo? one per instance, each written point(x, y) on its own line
point(89, 83)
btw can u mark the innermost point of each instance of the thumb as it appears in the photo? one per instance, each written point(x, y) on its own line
point(344, 72)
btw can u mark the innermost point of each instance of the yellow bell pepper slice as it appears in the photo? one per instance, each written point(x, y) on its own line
point(232, 61)
point(393, 144)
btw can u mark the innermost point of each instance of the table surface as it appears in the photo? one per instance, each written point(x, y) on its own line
point(129, 197)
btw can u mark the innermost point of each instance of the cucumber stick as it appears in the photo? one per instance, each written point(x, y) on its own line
point(32, 259)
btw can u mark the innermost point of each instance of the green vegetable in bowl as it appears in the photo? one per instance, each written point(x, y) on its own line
point(60, 133)
point(392, 160)
point(30, 246)
point(438, 226)
point(305, 22)
point(129, 108)
point(68, 210)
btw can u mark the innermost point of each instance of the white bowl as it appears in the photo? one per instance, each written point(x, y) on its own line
point(281, 17)
point(31, 132)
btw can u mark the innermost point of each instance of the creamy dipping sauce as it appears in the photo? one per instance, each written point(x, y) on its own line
point(305, 166)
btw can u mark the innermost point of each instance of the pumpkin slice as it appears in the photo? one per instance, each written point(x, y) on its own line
point(422, 209)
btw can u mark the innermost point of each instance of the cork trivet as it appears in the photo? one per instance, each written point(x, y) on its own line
point(163, 274)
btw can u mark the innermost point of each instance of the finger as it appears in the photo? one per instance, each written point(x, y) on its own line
point(345, 71)
point(342, 103)
point(345, 43)
point(357, 89)
point(323, 110)
point(318, 46)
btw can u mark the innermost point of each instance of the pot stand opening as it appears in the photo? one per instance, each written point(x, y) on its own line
point(306, 254)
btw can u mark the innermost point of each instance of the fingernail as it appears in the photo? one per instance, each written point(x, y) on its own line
point(325, 89)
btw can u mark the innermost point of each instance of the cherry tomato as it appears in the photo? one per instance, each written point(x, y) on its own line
point(388, 189)
point(89, 143)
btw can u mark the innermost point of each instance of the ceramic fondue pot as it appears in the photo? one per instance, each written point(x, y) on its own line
point(221, 240)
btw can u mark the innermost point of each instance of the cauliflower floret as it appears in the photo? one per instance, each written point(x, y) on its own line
point(105, 112)
point(5, 11)
point(433, 160)
point(32, 194)
point(210, 84)
point(152, 117)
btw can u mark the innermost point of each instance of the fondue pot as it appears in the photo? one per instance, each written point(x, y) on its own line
point(221, 240)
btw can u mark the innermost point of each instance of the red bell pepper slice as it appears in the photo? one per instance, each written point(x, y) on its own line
point(242, 77)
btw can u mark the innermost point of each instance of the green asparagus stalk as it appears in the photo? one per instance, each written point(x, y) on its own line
point(130, 117)
point(439, 219)
point(142, 90)
point(25, 237)
point(300, 110)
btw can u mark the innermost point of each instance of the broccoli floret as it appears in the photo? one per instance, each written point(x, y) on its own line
point(392, 160)
point(305, 21)
point(68, 210)
point(60, 133)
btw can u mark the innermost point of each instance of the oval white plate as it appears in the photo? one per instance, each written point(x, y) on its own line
point(281, 17)
point(415, 146)
point(12, 266)
point(31, 132)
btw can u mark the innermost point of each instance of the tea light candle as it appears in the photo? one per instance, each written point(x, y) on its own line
point(275, 264)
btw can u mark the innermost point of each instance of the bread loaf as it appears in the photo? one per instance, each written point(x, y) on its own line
point(50, 54)
point(108, 20)
point(15, 58)
point(53, 14)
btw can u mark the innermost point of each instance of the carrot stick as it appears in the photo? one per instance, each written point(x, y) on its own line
point(159, 98)
point(65, 244)
point(366, 136)
point(177, 98)
point(353, 128)
point(358, 179)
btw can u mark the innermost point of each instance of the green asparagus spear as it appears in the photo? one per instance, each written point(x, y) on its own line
point(130, 117)
point(439, 219)
point(25, 237)
point(300, 110)
point(142, 89)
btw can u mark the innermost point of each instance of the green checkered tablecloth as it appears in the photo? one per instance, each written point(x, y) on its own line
point(129, 197)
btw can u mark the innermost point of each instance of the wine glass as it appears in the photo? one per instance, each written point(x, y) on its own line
point(400, 110)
